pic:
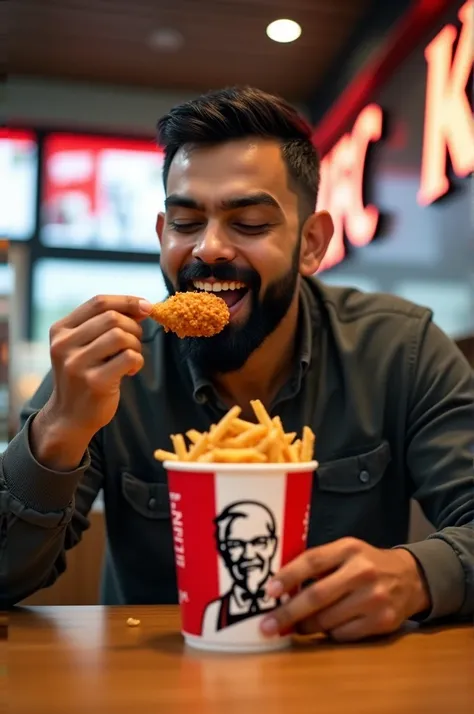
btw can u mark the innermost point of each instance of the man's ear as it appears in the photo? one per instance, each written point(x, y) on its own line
point(160, 224)
point(316, 235)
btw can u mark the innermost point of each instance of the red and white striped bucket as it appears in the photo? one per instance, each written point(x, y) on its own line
point(234, 526)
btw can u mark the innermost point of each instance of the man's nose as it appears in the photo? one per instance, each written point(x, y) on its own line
point(214, 246)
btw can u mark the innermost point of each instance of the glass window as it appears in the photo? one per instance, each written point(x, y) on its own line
point(59, 286)
point(6, 287)
point(452, 302)
point(18, 184)
point(6, 279)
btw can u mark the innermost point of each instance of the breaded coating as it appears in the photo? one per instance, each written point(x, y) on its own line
point(192, 314)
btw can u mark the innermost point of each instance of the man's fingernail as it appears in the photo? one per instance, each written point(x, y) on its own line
point(275, 588)
point(269, 626)
point(145, 306)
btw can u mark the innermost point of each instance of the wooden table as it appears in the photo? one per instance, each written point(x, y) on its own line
point(71, 660)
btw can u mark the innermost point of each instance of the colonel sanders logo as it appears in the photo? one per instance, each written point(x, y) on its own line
point(247, 542)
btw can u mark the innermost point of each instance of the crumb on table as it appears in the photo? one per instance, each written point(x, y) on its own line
point(132, 622)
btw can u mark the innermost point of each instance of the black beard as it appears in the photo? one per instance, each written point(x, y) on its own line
point(230, 349)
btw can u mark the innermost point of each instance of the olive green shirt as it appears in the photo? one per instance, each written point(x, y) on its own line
point(389, 396)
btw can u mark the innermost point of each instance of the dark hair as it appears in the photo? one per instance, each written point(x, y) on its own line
point(238, 112)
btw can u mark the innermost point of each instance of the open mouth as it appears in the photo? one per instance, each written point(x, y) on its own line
point(231, 292)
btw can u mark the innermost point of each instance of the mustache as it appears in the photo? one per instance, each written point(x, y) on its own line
point(224, 272)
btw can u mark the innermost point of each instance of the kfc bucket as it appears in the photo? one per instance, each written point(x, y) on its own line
point(234, 526)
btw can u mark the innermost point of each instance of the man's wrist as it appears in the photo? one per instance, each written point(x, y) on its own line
point(419, 600)
point(54, 445)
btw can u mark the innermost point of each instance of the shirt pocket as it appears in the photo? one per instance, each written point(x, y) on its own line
point(348, 498)
point(150, 500)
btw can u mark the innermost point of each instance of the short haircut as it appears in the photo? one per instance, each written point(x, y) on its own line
point(237, 113)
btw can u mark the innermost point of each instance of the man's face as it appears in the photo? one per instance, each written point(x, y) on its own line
point(249, 557)
point(232, 225)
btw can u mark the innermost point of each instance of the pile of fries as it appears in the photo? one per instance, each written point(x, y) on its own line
point(234, 440)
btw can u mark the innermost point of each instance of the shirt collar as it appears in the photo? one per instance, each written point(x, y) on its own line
point(203, 387)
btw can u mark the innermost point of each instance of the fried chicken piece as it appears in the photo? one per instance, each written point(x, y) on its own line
point(192, 314)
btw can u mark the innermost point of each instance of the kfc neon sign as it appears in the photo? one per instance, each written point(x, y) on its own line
point(449, 125)
point(341, 188)
point(448, 128)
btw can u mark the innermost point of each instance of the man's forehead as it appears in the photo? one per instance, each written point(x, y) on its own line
point(243, 161)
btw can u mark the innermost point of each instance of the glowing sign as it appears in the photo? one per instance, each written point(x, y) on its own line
point(449, 125)
point(342, 183)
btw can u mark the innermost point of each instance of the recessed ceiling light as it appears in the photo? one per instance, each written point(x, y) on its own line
point(167, 40)
point(284, 31)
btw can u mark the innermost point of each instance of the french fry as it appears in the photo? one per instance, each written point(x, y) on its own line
point(276, 421)
point(296, 451)
point(250, 437)
point(281, 452)
point(199, 448)
point(274, 448)
point(162, 455)
point(193, 435)
point(238, 456)
point(207, 457)
point(240, 425)
point(179, 445)
point(285, 453)
point(223, 426)
point(290, 453)
point(235, 441)
point(265, 444)
point(307, 446)
point(261, 413)
point(226, 443)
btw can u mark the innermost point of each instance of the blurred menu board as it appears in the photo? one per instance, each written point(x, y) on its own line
point(18, 183)
point(101, 193)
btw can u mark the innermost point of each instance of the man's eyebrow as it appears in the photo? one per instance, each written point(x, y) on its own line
point(254, 199)
point(175, 200)
point(262, 198)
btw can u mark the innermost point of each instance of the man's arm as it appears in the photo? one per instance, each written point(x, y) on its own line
point(440, 460)
point(357, 590)
point(43, 511)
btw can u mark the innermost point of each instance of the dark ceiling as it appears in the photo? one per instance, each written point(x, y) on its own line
point(204, 44)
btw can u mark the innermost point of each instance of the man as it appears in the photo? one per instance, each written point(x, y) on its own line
point(248, 561)
point(387, 393)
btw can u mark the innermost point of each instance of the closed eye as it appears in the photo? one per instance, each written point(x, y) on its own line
point(188, 227)
point(252, 228)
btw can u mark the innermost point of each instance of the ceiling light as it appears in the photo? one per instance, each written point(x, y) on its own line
point(283, 31)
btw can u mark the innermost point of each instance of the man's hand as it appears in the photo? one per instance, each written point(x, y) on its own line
point(358, 591)
point(92, 349)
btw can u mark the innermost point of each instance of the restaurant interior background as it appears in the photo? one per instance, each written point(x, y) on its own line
point(386, 86)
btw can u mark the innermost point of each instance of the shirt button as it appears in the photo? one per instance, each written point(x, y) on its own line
point(152, 504)
point(201, 398)
point(364, 476)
